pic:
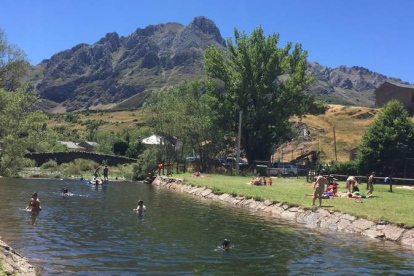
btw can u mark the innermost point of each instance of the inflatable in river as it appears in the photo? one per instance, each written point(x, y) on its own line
point(96, 182)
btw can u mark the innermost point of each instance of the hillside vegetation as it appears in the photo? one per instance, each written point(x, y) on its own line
point(349, 122)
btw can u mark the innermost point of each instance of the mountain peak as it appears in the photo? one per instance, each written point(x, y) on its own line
point(208, 27)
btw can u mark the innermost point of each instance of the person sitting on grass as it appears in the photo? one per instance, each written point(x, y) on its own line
point(270, 181)
point(319, 187)
point(258, 180)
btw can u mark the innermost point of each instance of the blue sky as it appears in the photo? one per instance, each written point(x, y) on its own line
point(378, 35)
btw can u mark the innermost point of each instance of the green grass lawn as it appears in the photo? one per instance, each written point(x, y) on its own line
point(396, 207)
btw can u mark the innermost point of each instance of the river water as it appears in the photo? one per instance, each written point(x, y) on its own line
point(96, 232)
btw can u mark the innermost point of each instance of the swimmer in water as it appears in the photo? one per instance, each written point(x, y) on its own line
point(226, 244)
point(65, 191)
point(141, 207)
point(34, 204)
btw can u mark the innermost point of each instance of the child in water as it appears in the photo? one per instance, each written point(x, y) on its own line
point(141, 207)
point(226, 244)
point(34, 204)
point(65, 191)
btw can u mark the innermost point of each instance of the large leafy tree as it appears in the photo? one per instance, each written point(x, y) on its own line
point(184, 117)
point(21, 128)
point(263, 81)
point(389, 138)
point(13, 64)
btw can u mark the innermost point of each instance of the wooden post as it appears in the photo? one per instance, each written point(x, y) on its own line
point(391, 184)
point(336, 155)
point(238, 144)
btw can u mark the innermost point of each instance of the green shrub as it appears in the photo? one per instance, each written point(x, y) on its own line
point(147, 162)
point(347, 167)
point(85, 165)
point(51, 164)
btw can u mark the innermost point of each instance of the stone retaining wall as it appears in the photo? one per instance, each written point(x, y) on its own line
point(66, 157)
point(14, 264)
point(310, 218)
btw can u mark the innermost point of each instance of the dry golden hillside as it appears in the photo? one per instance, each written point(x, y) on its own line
point(349, 122)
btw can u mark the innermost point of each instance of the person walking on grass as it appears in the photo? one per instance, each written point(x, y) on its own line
point(319, 187)
point(371, 183)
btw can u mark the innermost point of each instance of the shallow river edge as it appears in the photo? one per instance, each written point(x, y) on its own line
point(319, 218)
point(12, 263)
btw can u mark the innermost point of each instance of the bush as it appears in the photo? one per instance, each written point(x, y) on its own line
point(85, 165)
point(51, 164)
point(347, 167)
point(147, 162)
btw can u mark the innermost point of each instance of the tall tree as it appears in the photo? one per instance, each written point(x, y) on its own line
point(390, 137)
point(184, 113)
point(265, 82)
point(19, 127)
point(13, 64)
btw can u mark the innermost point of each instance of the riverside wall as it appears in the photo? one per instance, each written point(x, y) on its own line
point(13, 263)
point(66, 157)
point(319, 218)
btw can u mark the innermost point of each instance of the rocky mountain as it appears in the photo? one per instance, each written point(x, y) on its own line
point(346, 85)
point(121, 71)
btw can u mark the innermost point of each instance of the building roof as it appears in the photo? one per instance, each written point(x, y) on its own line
point(153, 140)
point(93, 144)
point(71, 145)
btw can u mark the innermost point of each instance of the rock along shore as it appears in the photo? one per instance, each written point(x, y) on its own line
point(12, 263)
point(311, 218)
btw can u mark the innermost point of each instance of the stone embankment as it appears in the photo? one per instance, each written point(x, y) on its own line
point(311, 218)
point(13, 264)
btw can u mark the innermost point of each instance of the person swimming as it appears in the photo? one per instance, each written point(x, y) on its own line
point(141, 207)
point(34, 204)
point(65, 191)
point(226, 244)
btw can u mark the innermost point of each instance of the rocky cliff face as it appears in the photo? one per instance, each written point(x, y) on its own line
point(117, 68)
point(346, 85)
point(122, 70)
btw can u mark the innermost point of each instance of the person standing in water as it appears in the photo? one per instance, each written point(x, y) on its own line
point(96, 173)
point(34, 203)
point(105, 173)
point(141, 207)
point(319, 188)
point(226, 244)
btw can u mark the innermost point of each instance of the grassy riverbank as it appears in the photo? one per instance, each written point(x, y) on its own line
point(393, 207)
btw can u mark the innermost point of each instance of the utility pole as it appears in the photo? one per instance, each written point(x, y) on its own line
point(336, 156)
point(238, 143)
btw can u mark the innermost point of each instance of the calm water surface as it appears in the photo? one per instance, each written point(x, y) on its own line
point(95, 232)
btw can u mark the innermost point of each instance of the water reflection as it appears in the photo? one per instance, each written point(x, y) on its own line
point(94, 232)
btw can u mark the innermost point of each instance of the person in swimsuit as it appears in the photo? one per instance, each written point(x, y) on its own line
point(141, 207)
point(319, 188)
point(226, 244)
point(350, 183)
point(34, 203)
point(105, 173)
point(371, 183)
point(96, 173)
point(65, 191)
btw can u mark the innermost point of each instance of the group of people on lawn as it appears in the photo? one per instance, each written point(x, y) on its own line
point(351, 186)
point(261, 181)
